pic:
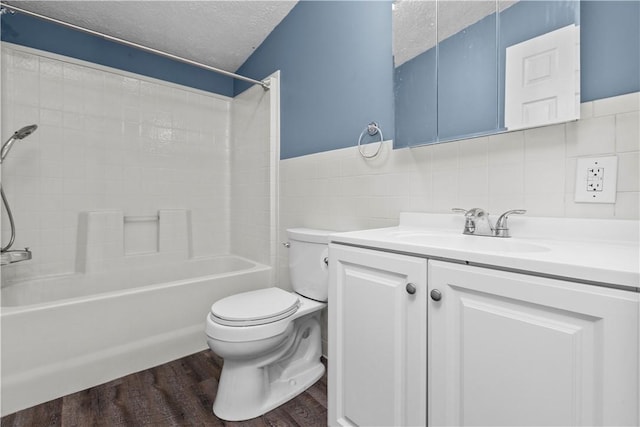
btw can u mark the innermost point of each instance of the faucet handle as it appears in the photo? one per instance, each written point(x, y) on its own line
point(459, 210)
point(469, 223)
point(502, 228)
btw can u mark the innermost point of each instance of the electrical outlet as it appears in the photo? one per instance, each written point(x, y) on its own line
point(596, 179)
point(597, 172)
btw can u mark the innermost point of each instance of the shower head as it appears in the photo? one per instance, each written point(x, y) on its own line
point(19, 134)
point(25, 131)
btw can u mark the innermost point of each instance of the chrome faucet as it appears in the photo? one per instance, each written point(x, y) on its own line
point(502, 229)
point(477, 222)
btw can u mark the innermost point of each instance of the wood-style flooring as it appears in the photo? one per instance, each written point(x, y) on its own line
point(178, 393)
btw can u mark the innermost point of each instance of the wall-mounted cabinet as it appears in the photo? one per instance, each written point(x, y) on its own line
point(471, 68)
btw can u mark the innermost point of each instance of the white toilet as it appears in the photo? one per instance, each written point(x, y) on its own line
point(270, 338)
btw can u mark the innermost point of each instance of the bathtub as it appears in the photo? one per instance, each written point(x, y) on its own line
point(68, 333)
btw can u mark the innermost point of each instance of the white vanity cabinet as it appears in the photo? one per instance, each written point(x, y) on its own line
point(513, 349)
point(377, 338)
point(475, 345)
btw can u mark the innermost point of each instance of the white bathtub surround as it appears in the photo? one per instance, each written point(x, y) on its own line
point(109, 239)
point(125, 195)
point(108, 140)
point(65, 334)
point(254, 172)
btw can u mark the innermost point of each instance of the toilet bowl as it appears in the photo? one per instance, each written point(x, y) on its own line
point(270, 339)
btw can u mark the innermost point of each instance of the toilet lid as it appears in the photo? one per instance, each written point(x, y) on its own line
point(255, 307)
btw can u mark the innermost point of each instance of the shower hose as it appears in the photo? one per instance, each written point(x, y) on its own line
point(13, 227)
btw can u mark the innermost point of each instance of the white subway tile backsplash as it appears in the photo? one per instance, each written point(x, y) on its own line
point(627, 205)
point(445, 189)
point(544, 204)
point(444, 157)
point(628, 171)
point(586, 110)
point(545, 143)
point(474, 153)
point(587, 210)
point(532, 169)
point(499, 203)
point(591, 136)
point(474, 181)
point(471, 200)
point(617, 104)
point(506, 179)
point(506, 148)
point(628, 131)
point(545, 176)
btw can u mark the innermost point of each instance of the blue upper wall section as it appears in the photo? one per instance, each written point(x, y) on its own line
point(337, 69)
point(609, 48)
point(39, 34)
point(337, 73)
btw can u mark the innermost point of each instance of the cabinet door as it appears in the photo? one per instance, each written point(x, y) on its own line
point(512, 349)
point(377, 338)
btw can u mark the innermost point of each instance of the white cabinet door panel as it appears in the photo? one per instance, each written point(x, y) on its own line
point(542, 79)
point(377, 338)
point(511, 349)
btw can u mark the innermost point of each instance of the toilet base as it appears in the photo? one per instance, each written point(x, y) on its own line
point(280, 392)
point(248, 389)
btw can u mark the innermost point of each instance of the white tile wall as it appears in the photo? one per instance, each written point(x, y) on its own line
point(532, 169)
point(251, 175)
point(254, 166)
point(107, 140)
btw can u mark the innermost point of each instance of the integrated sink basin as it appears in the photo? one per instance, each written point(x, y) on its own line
point(470, 243)
point(594, 251)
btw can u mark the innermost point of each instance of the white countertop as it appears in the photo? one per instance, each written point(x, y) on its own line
point(591, 250)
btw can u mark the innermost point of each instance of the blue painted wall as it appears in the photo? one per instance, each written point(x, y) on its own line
point(337, 73)
point(610, 48)
point(39, 34)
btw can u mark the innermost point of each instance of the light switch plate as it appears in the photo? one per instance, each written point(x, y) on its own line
point(596, 179)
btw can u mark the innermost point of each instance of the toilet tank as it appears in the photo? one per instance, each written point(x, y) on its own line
point(308, 270)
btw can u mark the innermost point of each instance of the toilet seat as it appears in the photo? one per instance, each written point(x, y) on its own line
point(255, 307)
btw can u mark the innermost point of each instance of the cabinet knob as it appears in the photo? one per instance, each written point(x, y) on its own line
point(411, 288)
point(436, 295)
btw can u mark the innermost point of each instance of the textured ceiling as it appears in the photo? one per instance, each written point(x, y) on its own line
point(415, 22)
point(219, 33)
point(224, 33)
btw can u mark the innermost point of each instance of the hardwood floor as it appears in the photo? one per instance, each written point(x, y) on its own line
point(179, 393)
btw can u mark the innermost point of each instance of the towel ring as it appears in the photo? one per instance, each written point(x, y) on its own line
point(371, 129)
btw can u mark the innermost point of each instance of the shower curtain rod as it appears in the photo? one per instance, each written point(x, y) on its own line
point(264, 84)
